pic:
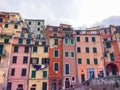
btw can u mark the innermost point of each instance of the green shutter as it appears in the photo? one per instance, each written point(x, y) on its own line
point(33, 74)
point(86, 39)
point(93, 39)
point(37, 60)
point(67, 68)
point(1, 49)
point(88, 61)
point(108, 45)
point(94, 50)
point(15, 48)
point(87, 49)
point(66, 54)
point(112, 56)
point(48, 60)
point(72, 41)
point(22, 35)
point(105, 54)
point(34, 49)
point(78, 39)
point(15, 26)
point(29, 35)
point(44, 74)
point(56, 67)
point(6, 25)
point(72, 54)
point(56, 53)
point(78, 49)
point(23, 72)
point(20, 41)
point(6, 40)
point(95, 61)
point(66, 41)
point(44, 86)
point(26, 49)
point(31, 61)
point(79, 61)
point(45, 49)
point(55, 41)
point(28, 41)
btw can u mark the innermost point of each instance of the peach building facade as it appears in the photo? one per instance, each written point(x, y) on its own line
point(89, 55)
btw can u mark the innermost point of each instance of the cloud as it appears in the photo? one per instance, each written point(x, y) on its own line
point(112, 20)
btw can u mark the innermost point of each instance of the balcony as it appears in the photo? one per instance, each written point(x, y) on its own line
point(2, 52)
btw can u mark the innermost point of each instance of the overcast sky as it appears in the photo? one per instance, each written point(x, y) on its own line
point(75, 12)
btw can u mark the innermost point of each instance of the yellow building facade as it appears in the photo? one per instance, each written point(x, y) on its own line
point(38, 76)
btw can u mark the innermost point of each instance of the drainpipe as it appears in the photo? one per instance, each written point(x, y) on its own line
point(102, 46)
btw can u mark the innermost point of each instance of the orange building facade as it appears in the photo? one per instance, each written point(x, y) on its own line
point(55, 55)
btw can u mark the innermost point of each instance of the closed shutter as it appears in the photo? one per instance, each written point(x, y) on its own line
point(44, 74)
point(95, 61)
point(78, 39)
point(33, 74)
point(44, 86)
point(72, 41)
point(67, 68)
point(93, 39)
point(56, 67)
point(79, 61)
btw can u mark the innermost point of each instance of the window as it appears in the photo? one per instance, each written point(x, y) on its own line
point(20, 41)
point(15, 26)
point(87, 50)
point(22, 35)
point(55, 66)
point(26, 49)
point(1, 49)
point(34, 49)
point(44, 74)
point(38, 23)
point(56, 53)
point(45, 49)
point(6, 25)
point(15, 48)
point(79, 61)
point(1, 19)
point(28, 41)
point(108, 45)
point(34, 60)
point(33, 74)
point(14, 59)
point(88, 61)
point(29, 35)
point(93, 39)
point(44, 86)
point(0, 60)
point(94, 50)
point(66, 41)
point(66, 54)
point(86, 39)
point(78, 49)
point(112, 56)
point(33, 88)
point(29, 23)
point(55, 41)
point(25, 59)
point(12, 72)
point(72, 41)
point(6, 40)
point(78, 39)
point(105, 54)
point(73, 78)
point(36, 43)
point(95, 61)
point(67, 69)
point(38, 29)
point(23, 72)
point(43, 43)
point(83, 32)
point(9, 85)
point(72, 54)
point(45, 60)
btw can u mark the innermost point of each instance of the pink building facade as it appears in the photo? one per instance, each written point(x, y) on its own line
point(69, 61)
point(20, 59)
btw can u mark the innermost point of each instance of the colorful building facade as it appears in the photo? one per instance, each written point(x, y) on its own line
point(89, 55)
point(39, 74)
point(20, 59)
point(55, 55)
point(69, 58)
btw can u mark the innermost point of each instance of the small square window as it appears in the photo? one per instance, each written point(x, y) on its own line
point(45, 49)
point(6, 40)
point(26, 49)
point(15, 26)
point(66, 54)
point(6, 25)
point(93, 39)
